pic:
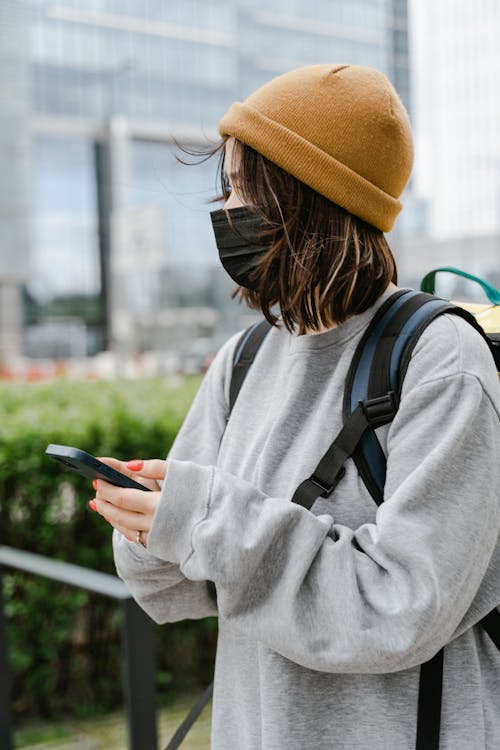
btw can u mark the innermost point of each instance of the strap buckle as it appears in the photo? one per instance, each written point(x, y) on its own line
point(327, 489)
point(381, 410)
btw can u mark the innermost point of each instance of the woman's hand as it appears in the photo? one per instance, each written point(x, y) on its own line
point(130, 511)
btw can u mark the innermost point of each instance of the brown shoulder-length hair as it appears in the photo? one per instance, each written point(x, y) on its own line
point(324, 264)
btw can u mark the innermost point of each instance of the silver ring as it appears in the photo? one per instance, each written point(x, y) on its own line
point(139, 539)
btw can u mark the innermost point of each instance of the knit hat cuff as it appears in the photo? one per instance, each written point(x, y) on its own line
point(311, 165)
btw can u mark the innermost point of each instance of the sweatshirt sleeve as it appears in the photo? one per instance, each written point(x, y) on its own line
point(157, 584)
point(380, 598)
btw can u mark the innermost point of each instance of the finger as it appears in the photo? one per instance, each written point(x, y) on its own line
point(125, 469)
point(129, 534)
point(154, 468)
point(116, 464)
point(136, 501)
point(128, 469)
point(120, 517)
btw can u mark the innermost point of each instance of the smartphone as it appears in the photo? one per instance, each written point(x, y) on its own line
point(89, 466)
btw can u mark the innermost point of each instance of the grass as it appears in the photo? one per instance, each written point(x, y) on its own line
point(109, 733)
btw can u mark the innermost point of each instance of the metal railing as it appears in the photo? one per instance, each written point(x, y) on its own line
point(137, 641)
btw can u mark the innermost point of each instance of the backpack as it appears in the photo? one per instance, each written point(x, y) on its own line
point(371, 399)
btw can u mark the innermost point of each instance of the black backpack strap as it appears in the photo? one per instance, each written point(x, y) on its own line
point(190, 719)
point(491, 623)
point(379, 367)
point(430, 693)
point(370, 413)
point(369, 402)
point(244, 355)
point(431, 689)
point(451, 309)
point(374, 373)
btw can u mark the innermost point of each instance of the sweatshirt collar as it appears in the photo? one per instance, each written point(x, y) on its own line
point(338, 335)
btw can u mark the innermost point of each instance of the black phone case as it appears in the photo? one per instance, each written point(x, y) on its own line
point(89, 466)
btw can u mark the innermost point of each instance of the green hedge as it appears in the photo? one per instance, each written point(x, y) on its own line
point(64, 643)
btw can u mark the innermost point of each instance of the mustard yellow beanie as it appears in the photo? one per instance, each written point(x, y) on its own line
point(341, 129)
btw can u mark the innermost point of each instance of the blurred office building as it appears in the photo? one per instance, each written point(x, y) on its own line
point(456, 74)
point(456, 111)
point(104, 233)
point(15, 169)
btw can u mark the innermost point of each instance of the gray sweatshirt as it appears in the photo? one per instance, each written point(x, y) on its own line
point(325, 615)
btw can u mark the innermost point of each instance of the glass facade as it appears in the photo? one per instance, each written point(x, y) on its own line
point(460, 171)
point(142, 60)
point(65, 244)
point(168, 70)
point(182, 191)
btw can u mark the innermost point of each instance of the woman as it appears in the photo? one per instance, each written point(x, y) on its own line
point(325, 614)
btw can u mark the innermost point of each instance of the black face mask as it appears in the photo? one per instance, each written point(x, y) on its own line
point(239, 243)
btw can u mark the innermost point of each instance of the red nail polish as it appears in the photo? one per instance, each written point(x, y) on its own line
point(135, 465)
point(92, 505)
